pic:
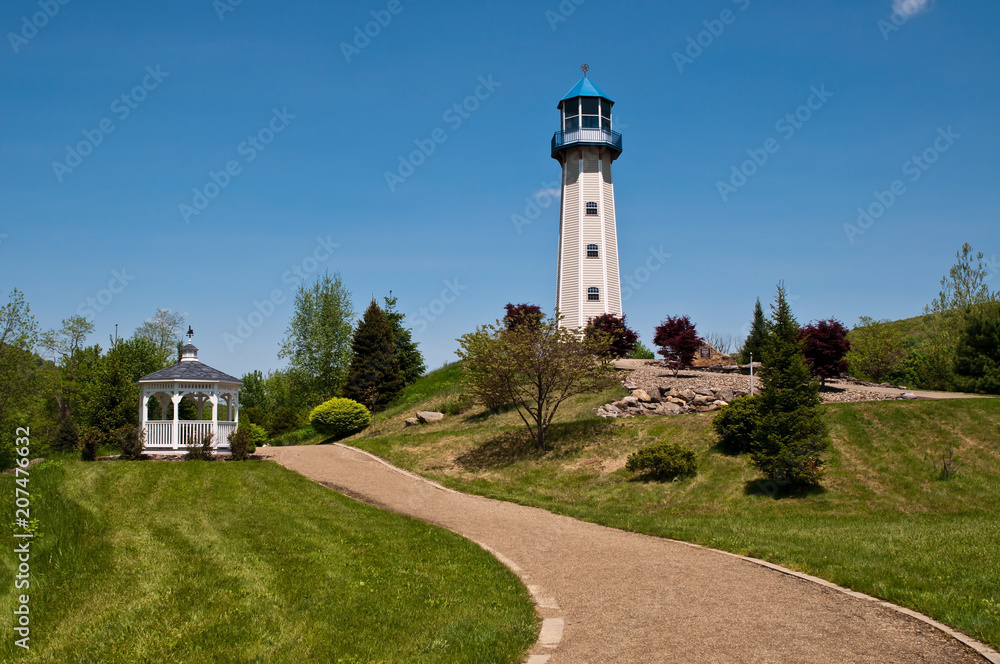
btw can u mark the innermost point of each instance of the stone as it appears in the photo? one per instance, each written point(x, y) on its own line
point(675, 400)
point(629, 385)
point(630, 401)
point(725, 395)
point(611, 408)
point(720, 403)
point(907, 395)
point(428, 416)
point(411, 422)
point(687, 395)
point(649, 406)
point(701, 400)
point(670, 409)
point(707, 409)
point(705, 392)
point(642, 395)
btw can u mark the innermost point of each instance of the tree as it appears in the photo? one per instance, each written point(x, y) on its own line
point(977, 361)
point(757, 339)
point(374, 378)
point(19, 378)
point(678, 341)
point(65, 346)
point(535, 367)
point(254, 399)
point(622, 340)
point(164, 331)
point(519, 314)
point(411, 362)
point(318, 340)
point(790, 434)
point(640, 352)
point(965, 285)
point(877, 349)
point(825, 345)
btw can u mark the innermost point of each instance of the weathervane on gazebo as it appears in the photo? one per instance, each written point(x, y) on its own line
point(585, 68)
point(190, 333)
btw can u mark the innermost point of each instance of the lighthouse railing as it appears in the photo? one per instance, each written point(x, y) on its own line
point(587, 136)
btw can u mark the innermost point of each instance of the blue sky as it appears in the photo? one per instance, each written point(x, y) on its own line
point(201, 78)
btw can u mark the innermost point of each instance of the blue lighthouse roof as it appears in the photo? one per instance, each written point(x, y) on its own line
point(586, 88)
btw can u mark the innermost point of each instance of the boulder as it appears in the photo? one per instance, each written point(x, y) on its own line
point(705, 392)
point(428, 416)
point(687, 395)
point(670, 409)
point(701, 400)
point(648, 406)
point(675, 400)
point(629, 385)
point(411, 422)
point(707, 409)
point(611, 408)
point(630, 401)
point(725, 395)
point(907, 395)
point(642, 395)
point(720, 403)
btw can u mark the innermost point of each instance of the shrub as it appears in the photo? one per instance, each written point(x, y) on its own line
point(90, 440)
point(461, 404)
point(678, 341)
point(293, 437)
point(200, 451)
point(825, 345)
point(258, 435)
point(67, 438)
point(640, 352)
point(241, 442)
point(339, 418)
point(620, 339)
point(131, 441)
point(736, 425)
point(663, 461)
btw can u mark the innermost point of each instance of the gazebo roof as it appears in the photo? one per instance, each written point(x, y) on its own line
point(190, 371)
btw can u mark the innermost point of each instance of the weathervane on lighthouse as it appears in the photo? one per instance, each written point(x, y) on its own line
point(585, 146)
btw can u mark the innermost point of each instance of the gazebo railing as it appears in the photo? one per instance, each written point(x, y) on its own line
point(159, 433)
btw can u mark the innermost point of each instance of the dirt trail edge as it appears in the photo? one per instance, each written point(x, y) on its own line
point(610, 596)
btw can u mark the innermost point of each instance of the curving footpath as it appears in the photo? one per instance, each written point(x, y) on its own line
point(607, 595)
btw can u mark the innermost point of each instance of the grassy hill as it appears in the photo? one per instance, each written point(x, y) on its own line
point(885, 522)
point(248, 562)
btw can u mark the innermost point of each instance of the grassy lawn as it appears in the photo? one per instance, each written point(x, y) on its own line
point(248, 562)
point(884, 524)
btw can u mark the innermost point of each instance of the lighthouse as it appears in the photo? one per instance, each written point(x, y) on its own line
point(585, 146)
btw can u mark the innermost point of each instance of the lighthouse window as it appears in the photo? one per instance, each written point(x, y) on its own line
point(593, 294)
point(590, 105)
point(592, 251)
point(592, 208)
point(571, 111)
point(572, 123)
point(591, 112)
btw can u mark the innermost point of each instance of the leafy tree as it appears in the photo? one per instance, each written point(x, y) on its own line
point(318, 341)
point(255, 402)
point(535, 367)
point(678, 341)
point(374, 378)
point(877, 349)
point(67, 438)
point(19, 379)
point(965, 285)
point(164, 331)
point(825, 346)
point(518, 314)
point(622, 339)
point(640, 352)
point(977, 362)
point(757, 339)
point(65, 346)
point(411, 362)
point(790, 434)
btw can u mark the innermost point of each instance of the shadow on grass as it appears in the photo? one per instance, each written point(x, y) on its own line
point(501, 450)
point(780, 491)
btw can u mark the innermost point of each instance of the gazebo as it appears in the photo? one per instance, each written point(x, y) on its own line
point(198, 383)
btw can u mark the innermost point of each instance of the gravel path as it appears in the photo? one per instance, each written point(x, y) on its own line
point(609, 596)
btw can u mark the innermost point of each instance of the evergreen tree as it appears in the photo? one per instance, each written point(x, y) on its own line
point(111, 398)
point(757, 338)
point(374, 378)
point(977, 362)
point(67, 438)
point(790, 434)
point(411, 362)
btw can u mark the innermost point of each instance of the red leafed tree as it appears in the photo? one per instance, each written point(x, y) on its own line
point(678, 342)
point(623, 339)
point(825, 346)
point(519, 314)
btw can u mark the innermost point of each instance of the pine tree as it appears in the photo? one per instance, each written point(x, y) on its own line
point(411, 362)
point(374, 378)
point(790, 433)
point(757, 338)
point(67, 438)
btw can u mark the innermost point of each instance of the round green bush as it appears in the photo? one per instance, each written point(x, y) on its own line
point(736, 424)
point(258, 435)
point(663, 461)
point(339, 417)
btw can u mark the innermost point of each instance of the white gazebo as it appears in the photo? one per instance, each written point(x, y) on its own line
point(198, 383)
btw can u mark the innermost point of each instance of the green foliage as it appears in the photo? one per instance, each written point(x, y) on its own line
point(317, 343)
point(374, 378)
point(19, 379)
point(258, 435)
point(241, 442)
point(296, 437)
point(90, 441)
point(67, 438)
point(977, 362)
point(339, 417)
point(877, 350)
point(790, 434)
point(411, 362)
point(757, 339)
point(200, 450)
point(65, 347)
point(640, 352)
point(665, 461)
point(736, 424)
point(111, 398)
point(163, 330)
point(131, 441)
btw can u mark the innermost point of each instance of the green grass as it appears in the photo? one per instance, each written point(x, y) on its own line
point(248, 562)
point(884, 523)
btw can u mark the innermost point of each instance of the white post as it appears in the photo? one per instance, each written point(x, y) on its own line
point(143, 413)
point(236, 408)
point(214, 400)
point(751, 373)
point(175, 427)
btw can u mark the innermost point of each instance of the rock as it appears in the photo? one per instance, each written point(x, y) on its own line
point(701, 400)
point(428, 416)
point(720, 403)
point(687, 395)
point(707, 409)
point(907, 395)
point(630, 401)
point(670, 409)
point(675, 400)
point(603, 413)
point(611, 408)
point(705, 392)
point(629, 385)
point(642, 395)
point(411, 422)
point(649, 406)
point(725, 395)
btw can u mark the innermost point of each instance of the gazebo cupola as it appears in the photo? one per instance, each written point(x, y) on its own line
point(200, 385)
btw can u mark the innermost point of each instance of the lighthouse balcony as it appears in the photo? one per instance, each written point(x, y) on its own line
point(587, 136)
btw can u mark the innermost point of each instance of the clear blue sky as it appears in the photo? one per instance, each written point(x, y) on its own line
point(686, 124)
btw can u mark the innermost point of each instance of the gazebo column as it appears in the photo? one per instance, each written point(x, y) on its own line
point(175, 427)
point(214, 400)
point(143, 413)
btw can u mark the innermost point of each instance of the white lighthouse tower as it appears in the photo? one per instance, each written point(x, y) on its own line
point(585, 146)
